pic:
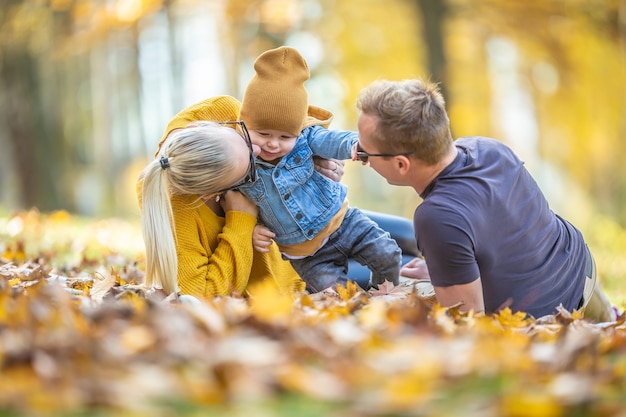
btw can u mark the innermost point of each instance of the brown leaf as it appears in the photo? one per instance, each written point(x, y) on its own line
point(102, 284)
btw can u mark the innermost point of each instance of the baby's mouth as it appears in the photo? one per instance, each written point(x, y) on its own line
point(271, 154)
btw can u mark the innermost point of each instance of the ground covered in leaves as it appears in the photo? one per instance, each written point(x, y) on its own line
point(79, 336)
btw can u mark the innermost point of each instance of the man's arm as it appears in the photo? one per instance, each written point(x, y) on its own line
point(471, 295)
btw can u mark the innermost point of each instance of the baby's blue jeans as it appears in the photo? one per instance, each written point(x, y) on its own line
point(360, 238)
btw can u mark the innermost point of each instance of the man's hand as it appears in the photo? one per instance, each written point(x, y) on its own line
point(416, 268)
point(331, 168)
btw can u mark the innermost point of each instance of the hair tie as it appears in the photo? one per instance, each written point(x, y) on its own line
point(165, 162)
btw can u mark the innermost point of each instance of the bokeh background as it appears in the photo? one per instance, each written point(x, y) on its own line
point(87, 87)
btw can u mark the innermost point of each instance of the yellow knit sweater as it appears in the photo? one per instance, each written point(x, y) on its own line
point(215, 254)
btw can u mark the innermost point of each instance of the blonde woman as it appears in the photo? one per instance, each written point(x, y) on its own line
point(197, 244)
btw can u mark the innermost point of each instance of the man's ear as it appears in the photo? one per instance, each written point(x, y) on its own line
point(403, 164)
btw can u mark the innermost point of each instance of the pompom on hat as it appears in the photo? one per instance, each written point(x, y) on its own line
point(275, 97)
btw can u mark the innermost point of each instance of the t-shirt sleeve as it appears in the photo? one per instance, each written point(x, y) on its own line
point(444, 238)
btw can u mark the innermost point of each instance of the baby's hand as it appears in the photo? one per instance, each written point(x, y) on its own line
point(262, 238)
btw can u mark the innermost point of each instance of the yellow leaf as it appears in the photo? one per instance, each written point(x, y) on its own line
point(306, 301)
point(508, 319)
point(374, 314)
point(269, 304)
point(346, 293)
point(17, 253)
point(537, 404)
point(60, 216)
point(578, 314)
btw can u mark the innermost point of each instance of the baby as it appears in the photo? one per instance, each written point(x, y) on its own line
point(306, 213)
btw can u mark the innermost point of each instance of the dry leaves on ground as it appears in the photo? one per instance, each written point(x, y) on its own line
point(99, 342)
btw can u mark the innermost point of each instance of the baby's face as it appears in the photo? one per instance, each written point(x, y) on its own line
point(274, 144)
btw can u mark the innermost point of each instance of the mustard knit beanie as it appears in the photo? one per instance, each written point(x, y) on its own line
point(276, 98)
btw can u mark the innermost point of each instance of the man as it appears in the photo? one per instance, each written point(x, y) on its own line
point(485, 229)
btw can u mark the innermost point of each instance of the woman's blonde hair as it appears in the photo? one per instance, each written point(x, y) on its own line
point(195, 161)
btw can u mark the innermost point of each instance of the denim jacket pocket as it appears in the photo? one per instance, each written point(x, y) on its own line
point(300, 165)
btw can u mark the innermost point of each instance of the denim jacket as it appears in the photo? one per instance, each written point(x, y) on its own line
point(295, 201)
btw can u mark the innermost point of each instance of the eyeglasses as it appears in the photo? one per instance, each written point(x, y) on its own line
point(363, 156)
point(251, 174)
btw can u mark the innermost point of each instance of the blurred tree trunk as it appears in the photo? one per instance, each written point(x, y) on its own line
point(33, 103)
point(433, 18)
point(173, 50)
point(32, 131)
point(117, 130)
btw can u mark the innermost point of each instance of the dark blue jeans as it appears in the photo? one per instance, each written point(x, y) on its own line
point(358, 238)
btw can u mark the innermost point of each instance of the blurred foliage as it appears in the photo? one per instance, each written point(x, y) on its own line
point(86, 88)
point(85, 339)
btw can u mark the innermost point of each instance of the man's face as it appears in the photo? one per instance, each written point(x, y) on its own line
point(384, 165)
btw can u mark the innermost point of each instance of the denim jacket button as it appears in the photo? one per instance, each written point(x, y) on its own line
point(276, 174)
point(297, 159)
point(298, 216)
point(286, 196)
point(310, 232)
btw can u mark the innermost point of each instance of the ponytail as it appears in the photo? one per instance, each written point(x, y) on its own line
point(157, 227)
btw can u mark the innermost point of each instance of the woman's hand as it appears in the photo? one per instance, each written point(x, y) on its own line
point(234, 200)
point(331, 168)
point(262, 238)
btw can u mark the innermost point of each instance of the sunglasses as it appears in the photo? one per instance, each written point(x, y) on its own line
point(363, 156)
point(251, 174)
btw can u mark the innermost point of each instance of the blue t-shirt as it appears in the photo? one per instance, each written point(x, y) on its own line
point(485, 216)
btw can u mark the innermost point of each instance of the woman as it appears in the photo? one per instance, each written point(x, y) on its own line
point(187, 190)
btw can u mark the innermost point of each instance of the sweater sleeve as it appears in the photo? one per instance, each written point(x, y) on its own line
point(214, 254)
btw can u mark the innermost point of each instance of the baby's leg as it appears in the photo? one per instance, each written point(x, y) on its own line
point(323, 269)
point(371, 246)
